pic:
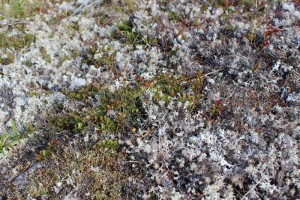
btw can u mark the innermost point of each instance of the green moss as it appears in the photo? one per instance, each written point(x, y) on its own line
point(45, 55)
point(175, 16)
point(37, 190)
point(127, 104)
point(111, 144)
point(18, 8)
point(228, 30)
point(124, 6)
point(254, 67)
point(182, 88)
point(21, 8)
point(219, 3)
point(126, 33)
point(32, 94)
point(84, 93)
point(249, 3)
point(125, 26)
point(107, 60)
point(11, 44)
point(204, 6)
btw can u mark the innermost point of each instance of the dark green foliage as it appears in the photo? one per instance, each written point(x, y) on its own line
point(124, 110)
point(127, 34)
point(14, 43)
point(111, 144)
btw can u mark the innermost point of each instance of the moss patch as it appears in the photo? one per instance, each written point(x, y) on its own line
point(12, 41)
point(21, 8)
point(127, 34)
point(124, 110)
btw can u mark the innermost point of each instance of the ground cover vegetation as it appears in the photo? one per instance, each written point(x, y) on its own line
point(157, 99)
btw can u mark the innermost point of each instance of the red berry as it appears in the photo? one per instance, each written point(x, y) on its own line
point(218, 102)
point(275, 30)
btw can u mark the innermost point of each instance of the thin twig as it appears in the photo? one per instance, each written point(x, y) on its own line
point(10, 21)
point(252, 189)
point(81, 8)
point(22, 171)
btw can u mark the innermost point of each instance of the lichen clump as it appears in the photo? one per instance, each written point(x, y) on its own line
point(167, 99)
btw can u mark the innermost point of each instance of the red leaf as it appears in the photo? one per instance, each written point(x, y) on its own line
point(266, 43)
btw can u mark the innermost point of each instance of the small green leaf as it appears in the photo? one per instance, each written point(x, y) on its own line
point(14, 127)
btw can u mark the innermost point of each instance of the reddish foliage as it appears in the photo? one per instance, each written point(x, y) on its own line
point(266, 43)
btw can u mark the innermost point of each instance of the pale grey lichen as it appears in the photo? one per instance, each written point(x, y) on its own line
point(247, 148)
